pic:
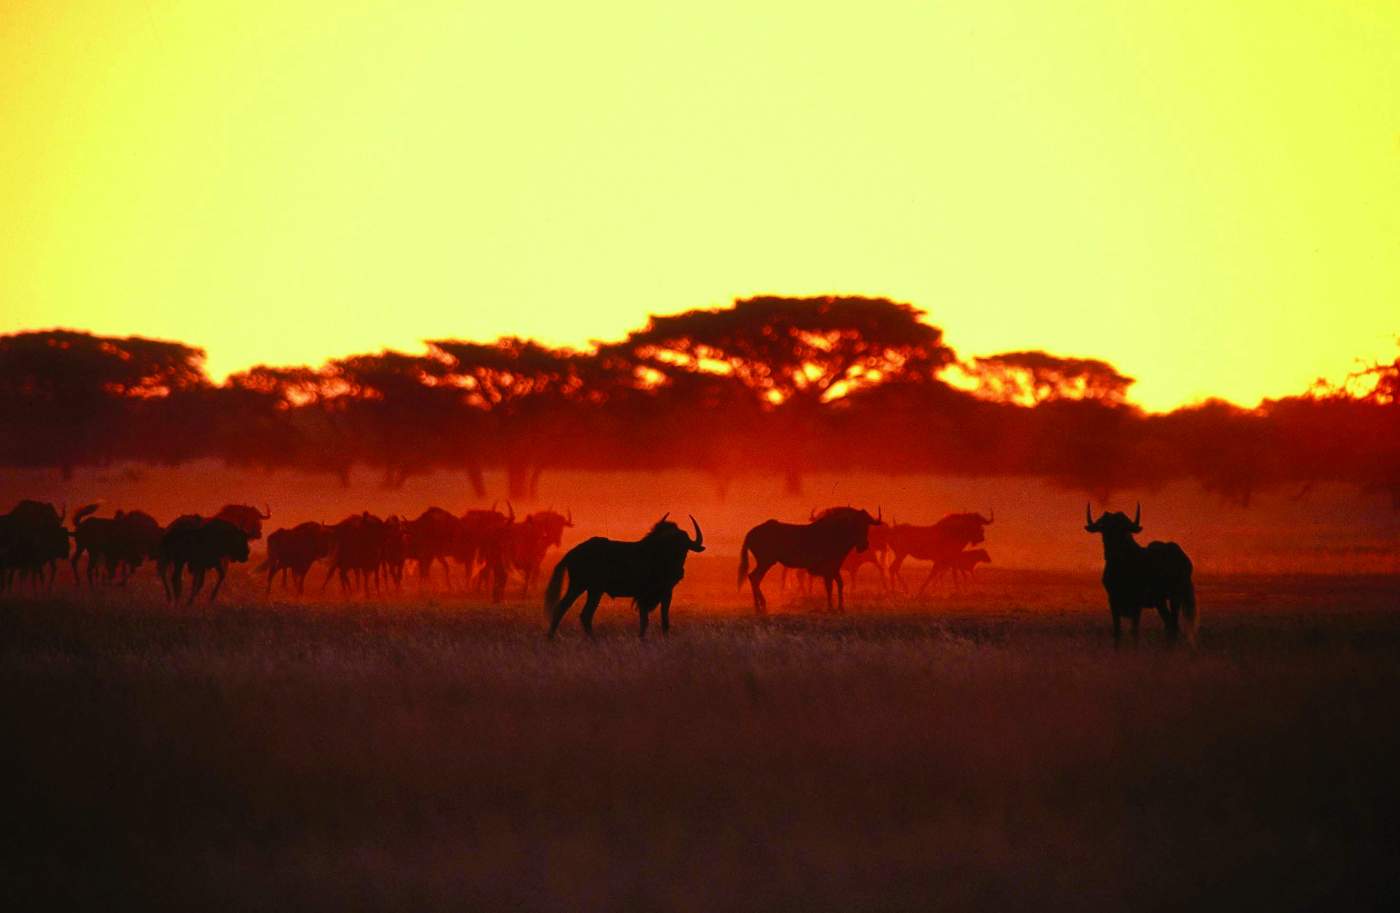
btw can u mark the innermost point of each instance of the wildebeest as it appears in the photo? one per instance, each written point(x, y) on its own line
point(646, 571)
point(176, 543)
point(484, 539)
point(202, 546)
point(818, 547)
point(115, 546)
point(357, 548)
point(962, 565)
point(935, 543)
point(528, 541)
point(1157, 576)
point(295, 550)
point(33, 540)
point(434, 535)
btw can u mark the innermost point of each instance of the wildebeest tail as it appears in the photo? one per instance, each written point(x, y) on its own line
point(83, 512)
point(743, 561)
point(555, 588)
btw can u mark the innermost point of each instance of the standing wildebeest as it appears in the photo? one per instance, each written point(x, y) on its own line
point(1136, 577)
point(115, 546)
point(201, 546)
point(818, 547)
point(295, 550)
point(33, 540)
point(484, 538)
point(935, 543)
point(528, 541)
point(646, 571)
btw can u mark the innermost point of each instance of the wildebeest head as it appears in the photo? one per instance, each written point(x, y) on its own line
point(550, 525)
point(1113, 524)
point(966, 528)
point(666, 531)
point(249, 519)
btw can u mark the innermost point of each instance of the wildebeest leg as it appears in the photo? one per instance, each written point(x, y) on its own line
point(840, 593)
point(1168, 612)
point(562, 606)
point(760, 604)
point(446, 572)
point(589, 607)
point(77, 553)
point(826, 583)
point(666, 614)
point(1137, 619)
point(895, 576)
point(643, 616)
point(196, 583)
point(933, 572)
point(220, 570)
point(301, 580)
point(271, 573)
point(1117, 627)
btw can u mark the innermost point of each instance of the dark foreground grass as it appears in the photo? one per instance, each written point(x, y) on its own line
point(990, 755)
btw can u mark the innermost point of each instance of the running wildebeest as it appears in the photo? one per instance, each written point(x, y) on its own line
point(201, 546)
point(935, 543)
point(1155, 576)
point(962, 565)
point(33, 540)
point(357, 547)
point(242, 517)
point(646, 571)
point(295, 550)
point(115, 546)
point(819, 547)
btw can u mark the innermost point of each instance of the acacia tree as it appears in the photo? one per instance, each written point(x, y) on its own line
point(70, 398)
point(522, 388)
point(789, 357)
point(1031, 377)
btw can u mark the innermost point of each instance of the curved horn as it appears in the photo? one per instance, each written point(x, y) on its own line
point(510, 507)
point(267, 515)
point(699, 542)
point(570, 518)
point(879, 514)
point(1088, 514)
point(1137, 515)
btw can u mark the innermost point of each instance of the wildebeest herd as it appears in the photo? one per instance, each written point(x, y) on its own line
point(368, 554)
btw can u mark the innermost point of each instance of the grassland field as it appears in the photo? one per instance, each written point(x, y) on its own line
point(981, 748)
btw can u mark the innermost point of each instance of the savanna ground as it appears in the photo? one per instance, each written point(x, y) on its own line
point(982, 749)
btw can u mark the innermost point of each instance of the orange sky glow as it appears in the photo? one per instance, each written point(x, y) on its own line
point(1205, 194)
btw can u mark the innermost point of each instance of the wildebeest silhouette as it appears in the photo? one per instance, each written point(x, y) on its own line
point(434, 535)
point(242, 517)
point(484, 539)
point(962, 565)
point(357, 550)
point(528, 541)
point(295, 550)
point(818, 547)
point(645, 571)
point(935, 543)
point(202, 546)
point(115, 546)
point(1157, 576)
point(33, 540)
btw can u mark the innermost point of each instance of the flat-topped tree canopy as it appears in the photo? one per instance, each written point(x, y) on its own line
point(795, 349)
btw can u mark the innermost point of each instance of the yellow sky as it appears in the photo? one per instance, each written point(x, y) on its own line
point(1205, 193)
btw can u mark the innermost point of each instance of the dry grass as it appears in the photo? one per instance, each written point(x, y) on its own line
point(981, 751)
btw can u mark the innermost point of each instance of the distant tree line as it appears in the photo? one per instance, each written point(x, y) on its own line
point(771, 384)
